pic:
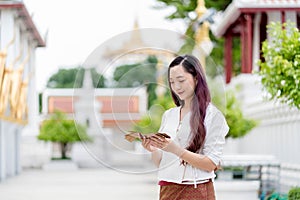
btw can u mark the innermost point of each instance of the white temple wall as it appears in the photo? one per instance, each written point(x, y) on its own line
point(2, 153)
point(7, 146)
point(11, 132)
point(278, 131)
point(277, 134)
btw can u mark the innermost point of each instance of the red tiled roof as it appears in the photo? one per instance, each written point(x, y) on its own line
point(232, 13)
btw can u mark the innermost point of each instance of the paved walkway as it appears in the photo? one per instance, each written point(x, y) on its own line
point(83, 184)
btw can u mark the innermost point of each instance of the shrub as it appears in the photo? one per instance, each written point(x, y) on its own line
point(294, 194)
point(63, 131)
point(280, 66)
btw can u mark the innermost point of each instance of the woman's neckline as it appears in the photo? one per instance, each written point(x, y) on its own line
point(181, 117)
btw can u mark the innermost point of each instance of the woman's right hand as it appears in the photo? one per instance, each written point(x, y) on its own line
point(146, 143)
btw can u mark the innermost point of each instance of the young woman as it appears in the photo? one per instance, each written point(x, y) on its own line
point(197, 128)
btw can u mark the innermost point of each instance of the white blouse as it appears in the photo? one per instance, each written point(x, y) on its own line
point(170, 168)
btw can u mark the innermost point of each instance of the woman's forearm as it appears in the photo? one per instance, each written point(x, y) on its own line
point(194, 159)
point(198, 161)
point(156, 157)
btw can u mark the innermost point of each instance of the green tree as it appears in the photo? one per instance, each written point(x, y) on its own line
point(238, 124)
point(134, 75)
point(63, 131)
point(280, 66)
point(228, 104)
point(73, 78)
point(294, 193)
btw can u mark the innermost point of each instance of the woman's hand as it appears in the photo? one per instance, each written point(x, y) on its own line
point(167, 145)
point(146, 143)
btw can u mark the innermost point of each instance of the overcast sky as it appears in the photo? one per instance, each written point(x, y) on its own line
point(76, 28)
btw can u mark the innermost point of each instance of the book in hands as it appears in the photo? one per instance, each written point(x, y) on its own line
point(132, 136)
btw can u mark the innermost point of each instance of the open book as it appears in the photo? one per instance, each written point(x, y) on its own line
point(130, 137)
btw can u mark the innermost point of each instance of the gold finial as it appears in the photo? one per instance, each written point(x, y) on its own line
point(135, 38)
point(201, 9)
point(3, 55)
point(16, 83)
point(22, 108)
point(6, 83)
point(202, 34)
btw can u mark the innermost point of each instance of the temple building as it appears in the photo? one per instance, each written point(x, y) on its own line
point(19, 39)
point(136, 48)
point(109, 113)
point(248, 20)
point(278, 124)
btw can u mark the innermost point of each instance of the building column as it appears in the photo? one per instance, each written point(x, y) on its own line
point(243, 45)
point(18, 167)
point(10, 148)
point(228, 56)
point(7, 33)
point(32, 128)
point(282, 17)
point(2, 153)
point(249, 22)
point(256, 41)
point(36, 153)
point(246, 40)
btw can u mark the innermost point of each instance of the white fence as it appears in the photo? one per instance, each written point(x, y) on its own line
point(289, 176)
point(277, 134)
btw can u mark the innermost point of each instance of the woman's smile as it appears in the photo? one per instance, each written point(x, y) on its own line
point(180, 93)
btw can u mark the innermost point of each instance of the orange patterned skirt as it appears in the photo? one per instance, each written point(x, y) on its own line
point(204, 191)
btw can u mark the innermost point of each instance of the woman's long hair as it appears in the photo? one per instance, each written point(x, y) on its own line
point(199, 102)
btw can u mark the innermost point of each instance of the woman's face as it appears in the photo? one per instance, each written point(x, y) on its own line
point(182, 83)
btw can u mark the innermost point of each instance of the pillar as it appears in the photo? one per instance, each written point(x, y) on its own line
point(228, 56)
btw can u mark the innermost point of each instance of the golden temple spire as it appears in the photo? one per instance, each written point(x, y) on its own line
point(202, 34)
point(201, 9)
point(136, 37)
